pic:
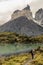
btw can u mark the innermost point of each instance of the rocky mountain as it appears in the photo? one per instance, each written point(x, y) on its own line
point(24, 12)
point(39, 16)
point(22, 25)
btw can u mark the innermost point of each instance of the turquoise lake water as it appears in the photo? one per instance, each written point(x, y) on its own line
point(10, 48)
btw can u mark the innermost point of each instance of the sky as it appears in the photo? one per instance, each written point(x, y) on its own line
point(36, 5)
point(8, 6)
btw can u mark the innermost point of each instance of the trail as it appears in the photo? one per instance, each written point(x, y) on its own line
point(28, 61)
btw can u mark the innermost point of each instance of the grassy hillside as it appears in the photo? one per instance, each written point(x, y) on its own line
point(15, 59)
point(22, 59)
point(10, 37)
point(38, 59)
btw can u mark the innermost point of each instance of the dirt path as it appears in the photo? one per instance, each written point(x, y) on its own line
point(28, 61)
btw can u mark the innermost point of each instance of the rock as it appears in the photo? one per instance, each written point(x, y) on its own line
point(27, 7)
point(24, 12)
point(39, 16)
point(22, 25)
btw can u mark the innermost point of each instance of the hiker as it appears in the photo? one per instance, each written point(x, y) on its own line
point(32, 54)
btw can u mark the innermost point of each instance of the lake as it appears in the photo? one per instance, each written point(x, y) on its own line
point(16, 47)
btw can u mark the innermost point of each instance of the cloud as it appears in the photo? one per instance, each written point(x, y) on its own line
point(3, 0)
point(8, 6)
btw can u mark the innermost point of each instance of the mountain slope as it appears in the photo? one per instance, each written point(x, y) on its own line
point(39, 16)
point(22, 25)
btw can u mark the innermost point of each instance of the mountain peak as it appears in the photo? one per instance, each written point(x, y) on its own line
point(40, 11)
point(24, 12)
point(27, 7)
point(39, 16)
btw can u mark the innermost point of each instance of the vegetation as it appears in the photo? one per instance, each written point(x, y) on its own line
point(38, 60)
point(22, 59)
point(10, 37)
point(14, 59)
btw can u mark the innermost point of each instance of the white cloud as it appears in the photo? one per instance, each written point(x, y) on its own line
point(3, 0)
point(8, 5)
